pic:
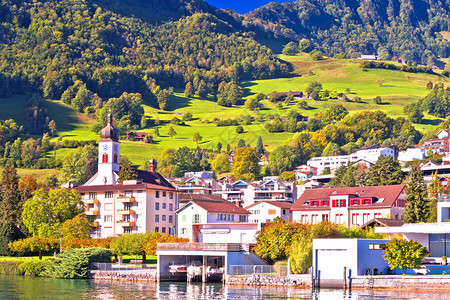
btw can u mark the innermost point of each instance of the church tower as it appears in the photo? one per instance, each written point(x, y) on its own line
point(108, 154)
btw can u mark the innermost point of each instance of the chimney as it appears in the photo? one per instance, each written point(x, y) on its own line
point(152, 165)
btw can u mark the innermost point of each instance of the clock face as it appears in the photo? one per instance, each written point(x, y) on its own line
point(105, 147)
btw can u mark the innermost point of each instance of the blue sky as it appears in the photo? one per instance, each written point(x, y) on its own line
point(242, 6)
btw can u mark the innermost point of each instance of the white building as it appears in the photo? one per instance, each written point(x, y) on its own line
point(147, 203)
point(264, 212)
point(207, 212)
point(352, 206)
point(411, 154)
point(357, 256)
point(371, 155)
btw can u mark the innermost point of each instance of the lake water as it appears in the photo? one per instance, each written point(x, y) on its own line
point(18, 287)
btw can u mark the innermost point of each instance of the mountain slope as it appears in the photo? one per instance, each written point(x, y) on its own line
point(403, 28)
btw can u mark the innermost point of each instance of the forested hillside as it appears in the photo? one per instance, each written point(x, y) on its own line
point(77, 45)
point(407, 29)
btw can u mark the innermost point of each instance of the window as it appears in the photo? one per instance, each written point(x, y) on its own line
point(304, 219)
point(115, 158)
point(284, 211)
point(109, 194)
point(355, 219)
point(196, 219)
point(127, 230)
point(170, 207)
point(140, 192)
point(127, 206)
point(314, 219)
point(126, 218)
point(157, 194)
point(92, 195)
point(129, 194)
point(108, 219)
point(325, 217)
point(163, 218)
point(104, 158)
point(163, 206)
point(377, 246)
point(339, 218)
point(157, 206)
point(183, 230)
point(170, 219)
point(242, 218)
point(366, 217)
point(170, 195)
point(163, 229)
point(156, 218)
point(156, 229)
point(164, 193)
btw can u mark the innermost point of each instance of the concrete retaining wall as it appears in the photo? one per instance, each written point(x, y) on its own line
point(145, 275)
point(291, 280)
point(401, 282)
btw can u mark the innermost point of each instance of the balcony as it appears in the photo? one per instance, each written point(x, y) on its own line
point(90, 201)
point(125, 211)
point(125, 199)
point(92, 212)
point(125, 223)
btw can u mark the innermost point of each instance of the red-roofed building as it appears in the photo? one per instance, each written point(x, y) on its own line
point(265, 211)
point(438, 146)
point(136, 136)
point(351, 206)
point(207, 212)
point(146, 203)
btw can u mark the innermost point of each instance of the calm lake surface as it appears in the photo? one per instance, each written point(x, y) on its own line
point(18, 287)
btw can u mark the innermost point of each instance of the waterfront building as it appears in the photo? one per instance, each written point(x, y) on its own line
point(350, 206)
point(147, 203)
point(336, 259)
point(264, 212)
point(217, 212)
point(411, 154)
point(434, 236)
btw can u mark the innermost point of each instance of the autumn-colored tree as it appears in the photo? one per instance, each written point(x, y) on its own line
point(245, 165)
point(35, 244)
point(197, 137)
point(76, 228)
point(171, 132)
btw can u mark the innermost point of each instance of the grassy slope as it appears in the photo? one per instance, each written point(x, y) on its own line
point(397, 90)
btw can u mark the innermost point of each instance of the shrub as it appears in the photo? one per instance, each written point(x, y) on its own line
point(34, 267)
point(10, 268)
point(239, 129)
point(74, 263)
point(280, 267)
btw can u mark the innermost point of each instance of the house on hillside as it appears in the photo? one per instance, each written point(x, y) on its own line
point(351, 206)
point(136, 136)
point(368, 57)
point(147, 203)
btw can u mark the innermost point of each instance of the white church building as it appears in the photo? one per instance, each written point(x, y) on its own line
point(147, 203)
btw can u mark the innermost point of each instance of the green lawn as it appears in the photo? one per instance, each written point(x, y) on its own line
point(39, 174)
point(397, 89)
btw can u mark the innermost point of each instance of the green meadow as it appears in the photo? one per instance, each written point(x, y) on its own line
point(396, 89)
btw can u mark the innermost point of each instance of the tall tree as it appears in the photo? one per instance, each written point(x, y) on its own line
point(197, 137)
point(386, 171)
point(171, 132)
point(44, 214)
point(126, 172)
point(417, 203)
point(220, 163)
point(245, 164)
point(259, 146)
point(11, 207)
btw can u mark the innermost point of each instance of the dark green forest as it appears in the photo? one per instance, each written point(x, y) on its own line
point(407, 29)
point(53, 47)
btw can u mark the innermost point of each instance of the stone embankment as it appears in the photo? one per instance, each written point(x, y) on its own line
point(417, 282)
point(144, 275)
point(270, 280)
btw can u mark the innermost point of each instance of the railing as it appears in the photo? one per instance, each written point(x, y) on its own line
point(257, 269)
point(120, 267)
point(229, 247)
point(125, 199)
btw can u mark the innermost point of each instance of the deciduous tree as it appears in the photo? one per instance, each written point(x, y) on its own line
point(404, 254)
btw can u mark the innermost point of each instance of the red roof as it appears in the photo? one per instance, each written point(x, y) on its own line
point(390, 193)
point(220, 207)
point(284, 205)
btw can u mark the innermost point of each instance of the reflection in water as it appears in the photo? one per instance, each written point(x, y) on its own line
point(18, 287)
